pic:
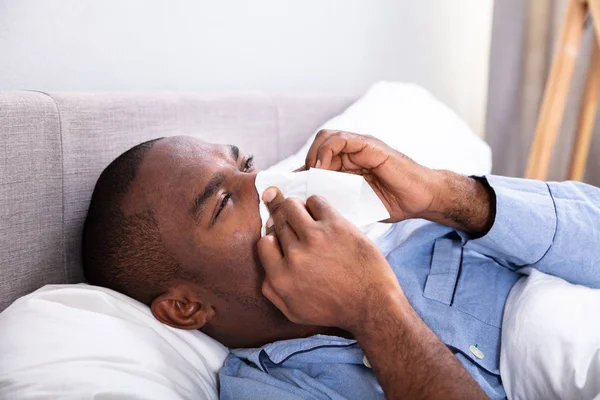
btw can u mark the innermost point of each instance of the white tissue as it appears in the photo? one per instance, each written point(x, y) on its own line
point(350, 194)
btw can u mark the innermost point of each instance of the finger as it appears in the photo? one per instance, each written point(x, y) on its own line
point(357, 152)
point(295, 214)
point(270, 293)
point(285, 234)
point(302, 168)
point(274, 201)
point(289, 217)
point(320, 209)
point(336, 164)
point(348, 165)
point(270, 256)
point(269, 226)
point(337, 145)
point(311, 156)
point(329, 145)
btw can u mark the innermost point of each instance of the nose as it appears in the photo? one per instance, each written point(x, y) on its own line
point(249, 187)
point(252, 202)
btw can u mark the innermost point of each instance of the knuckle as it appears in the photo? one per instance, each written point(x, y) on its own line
point(315, 203)
point(314, 200)
point(266, 288)
point(280, 224)
point(284, 288)
point(287, 203)
point(291, 206)
point(322, 133)
point(278, 283)
point(321, 149)
point(294, 204)
point(364, 139)
point(293, 256)
point(339, 225)
point(262, 244)
point(316, 236)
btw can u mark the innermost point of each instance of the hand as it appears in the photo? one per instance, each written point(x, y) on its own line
point(407, 189)
point(320, 269)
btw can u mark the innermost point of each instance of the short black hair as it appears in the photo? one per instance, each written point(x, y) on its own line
point(125, 252)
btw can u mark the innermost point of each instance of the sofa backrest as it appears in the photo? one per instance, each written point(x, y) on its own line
point(53, 147)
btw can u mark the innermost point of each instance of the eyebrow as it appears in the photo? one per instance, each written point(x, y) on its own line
point(210, 189)
point(235, 152)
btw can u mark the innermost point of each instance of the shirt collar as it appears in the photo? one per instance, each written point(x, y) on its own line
point(281, 350)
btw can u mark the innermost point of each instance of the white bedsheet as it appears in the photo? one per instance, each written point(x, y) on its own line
point(551, 340)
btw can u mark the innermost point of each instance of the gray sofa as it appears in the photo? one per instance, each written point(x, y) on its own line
point(53, 147)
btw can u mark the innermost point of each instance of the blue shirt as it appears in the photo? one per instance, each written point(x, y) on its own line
point(458, 286)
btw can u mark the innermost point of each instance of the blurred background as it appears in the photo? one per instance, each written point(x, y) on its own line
point(275, 45)
point(488, 60)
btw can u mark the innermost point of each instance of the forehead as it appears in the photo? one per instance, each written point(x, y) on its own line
point(173, 168)
point(181, 152)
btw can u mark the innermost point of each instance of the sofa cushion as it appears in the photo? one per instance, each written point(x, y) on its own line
point(54, 146)
point(31, 241)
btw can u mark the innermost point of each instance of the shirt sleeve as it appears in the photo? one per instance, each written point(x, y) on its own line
point(553, 227)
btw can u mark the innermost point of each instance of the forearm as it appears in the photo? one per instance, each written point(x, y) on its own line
point(463, 203)
point(409, 360)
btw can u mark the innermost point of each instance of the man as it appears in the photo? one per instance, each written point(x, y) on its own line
point(174, 223)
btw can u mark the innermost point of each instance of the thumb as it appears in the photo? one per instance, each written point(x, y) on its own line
point(273, 198)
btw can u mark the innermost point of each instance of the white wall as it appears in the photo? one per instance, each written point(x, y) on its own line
point(278, 45)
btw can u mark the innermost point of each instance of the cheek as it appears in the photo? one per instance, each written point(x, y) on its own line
point(243, 244)
point(235, 253)
point(231, 250)
point(242, 228)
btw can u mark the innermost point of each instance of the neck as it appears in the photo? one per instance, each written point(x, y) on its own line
point(254, 338)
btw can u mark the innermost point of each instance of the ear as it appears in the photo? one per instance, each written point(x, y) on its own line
point(176, 309)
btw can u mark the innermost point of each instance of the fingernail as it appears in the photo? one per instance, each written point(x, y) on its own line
point(269, 195)
point(270, 223)
point(318, 164)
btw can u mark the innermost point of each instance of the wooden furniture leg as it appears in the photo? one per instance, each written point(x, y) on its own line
point(587, 116)
point(556, 92)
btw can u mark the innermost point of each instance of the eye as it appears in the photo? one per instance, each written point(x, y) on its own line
point(248, 164)
point(222, 205)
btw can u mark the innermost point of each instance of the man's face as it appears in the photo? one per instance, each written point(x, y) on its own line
point(206, 206)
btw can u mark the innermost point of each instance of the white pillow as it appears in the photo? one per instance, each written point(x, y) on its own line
point(550, 341)
point(84, 342)
point(409, 119)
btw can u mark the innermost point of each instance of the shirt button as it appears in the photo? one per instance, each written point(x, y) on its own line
point(476, 352)
point(366, 362)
